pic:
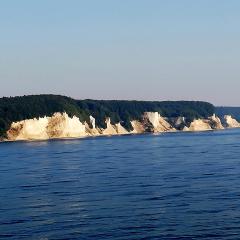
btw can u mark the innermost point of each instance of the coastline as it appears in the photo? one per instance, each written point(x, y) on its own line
point(44, 117)
point(116, 135)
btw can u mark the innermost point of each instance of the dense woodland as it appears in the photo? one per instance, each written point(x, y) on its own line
point(233, 111)
point(34, 106)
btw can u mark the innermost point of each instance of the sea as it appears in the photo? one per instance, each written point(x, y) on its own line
point(163, 186)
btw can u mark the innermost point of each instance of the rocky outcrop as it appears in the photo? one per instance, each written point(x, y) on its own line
point(137, 127)
point(179, 123)
point(198, 125)
point(57, 126)
point(92, 129)
point(231, 122)
point(155, 123)
point(29, 129)
point(120, 129)
point(212, 123)
point(113, 129)
point(215, 122)
point(110, 129)
point(60, 125)
point(92, 122)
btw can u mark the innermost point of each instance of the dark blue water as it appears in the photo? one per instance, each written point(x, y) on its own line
point(170, 186)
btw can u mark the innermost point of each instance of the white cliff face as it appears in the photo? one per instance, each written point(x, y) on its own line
point(215, 122)
point(61, 126)
point(231, 122)
point(92, 121)
point(159, 123)
point(57, 126)
point(212, 123)
point(153, 118)
point(29, 129)
point(137, 127)
point(110, 130)
point(113, 129)
point(92, 130)
point(120, 129)
point(199, 125)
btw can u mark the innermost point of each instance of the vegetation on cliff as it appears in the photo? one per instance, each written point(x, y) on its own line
point(233, 111)
point(34, 106)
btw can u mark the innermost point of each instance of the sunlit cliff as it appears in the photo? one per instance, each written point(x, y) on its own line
point(60, 125)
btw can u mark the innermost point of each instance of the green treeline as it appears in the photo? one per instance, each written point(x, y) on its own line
point(34, 106)
point(233, 111)
point(125, 111)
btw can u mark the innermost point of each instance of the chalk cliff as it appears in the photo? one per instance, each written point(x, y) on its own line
point(120, 129)
point(212, 123)
point(16, 109)
point(29, 129)
point(111, 129)
point(215, 122)
point(137, 127)
point(231, 122)
point(60, 125)
point(57, 126)
point(198, 125)
point(92, 129)
point(155, 123)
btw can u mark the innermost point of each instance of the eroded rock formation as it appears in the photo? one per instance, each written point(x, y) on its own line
point(215, 122)
point(28, 129)
point(137, 127)
point(120, 129)
point(110, 129)
point(212, 123)
point(198, 125)
point(155, 123)
point(57, 126)
point(179, 123)
point(60, 125)
point(231, 122)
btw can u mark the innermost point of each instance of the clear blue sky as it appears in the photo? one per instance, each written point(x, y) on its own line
point(125, 49)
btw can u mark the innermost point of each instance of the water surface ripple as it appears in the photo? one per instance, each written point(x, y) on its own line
point(168, 186)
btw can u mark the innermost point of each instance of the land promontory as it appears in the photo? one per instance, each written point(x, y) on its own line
point(38, 117)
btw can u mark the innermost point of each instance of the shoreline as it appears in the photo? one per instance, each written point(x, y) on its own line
point(61, 126)
point(114, 135)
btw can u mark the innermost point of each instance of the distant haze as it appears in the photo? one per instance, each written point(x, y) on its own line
point(137, 49)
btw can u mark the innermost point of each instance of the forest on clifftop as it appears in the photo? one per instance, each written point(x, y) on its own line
point(13, 109)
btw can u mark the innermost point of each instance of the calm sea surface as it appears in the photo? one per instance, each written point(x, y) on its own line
point(169, 186)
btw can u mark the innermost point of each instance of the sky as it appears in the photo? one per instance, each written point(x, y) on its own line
point(125, 49)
